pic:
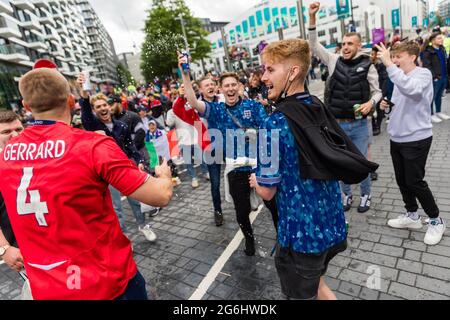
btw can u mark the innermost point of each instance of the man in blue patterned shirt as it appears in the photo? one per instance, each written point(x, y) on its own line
point(233, 126)
point(311, 228)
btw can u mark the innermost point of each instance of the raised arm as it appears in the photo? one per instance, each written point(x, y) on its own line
point(318, 49)
point(190, 93)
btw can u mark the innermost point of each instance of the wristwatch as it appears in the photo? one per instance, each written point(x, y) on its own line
point(3, 250)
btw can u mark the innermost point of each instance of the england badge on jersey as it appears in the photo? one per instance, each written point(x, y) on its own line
point(247, 114)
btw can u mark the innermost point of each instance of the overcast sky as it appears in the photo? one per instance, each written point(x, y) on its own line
point(125, 20)
point(118, 15)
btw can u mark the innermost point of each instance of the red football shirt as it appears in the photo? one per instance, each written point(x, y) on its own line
point(54, 180)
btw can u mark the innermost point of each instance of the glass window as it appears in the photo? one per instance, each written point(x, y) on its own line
point(293, 16)
point(253, 26)
point(284, 18)
point(276, 18)
point(267, 19)
point(239, 33)
point(260, 22)
point(232, 37)
point(245, 29)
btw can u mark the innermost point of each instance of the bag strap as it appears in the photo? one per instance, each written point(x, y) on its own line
point(235, 119)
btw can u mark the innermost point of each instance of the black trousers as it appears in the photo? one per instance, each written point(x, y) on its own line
point(240, 192)
point(409, 164)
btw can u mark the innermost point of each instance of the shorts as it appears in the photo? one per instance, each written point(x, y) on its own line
point(300, 273)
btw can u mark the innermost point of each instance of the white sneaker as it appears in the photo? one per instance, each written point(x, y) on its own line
point(148, 233)
point(207, 176)
point(435, 119)
point(435, 232)
point(405, 222)
point(195, 183)
point(176, 181)
point(443, 116)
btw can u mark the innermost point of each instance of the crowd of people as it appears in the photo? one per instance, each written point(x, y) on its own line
point(262, 131)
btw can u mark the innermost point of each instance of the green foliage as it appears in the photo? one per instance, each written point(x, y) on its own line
point(164, 36)
point(125, 77)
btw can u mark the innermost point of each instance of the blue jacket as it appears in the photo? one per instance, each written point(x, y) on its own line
point(120, 133)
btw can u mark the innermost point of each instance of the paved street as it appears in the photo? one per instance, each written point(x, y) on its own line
point(191, 251)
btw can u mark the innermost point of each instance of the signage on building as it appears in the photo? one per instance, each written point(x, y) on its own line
point(343, 8)
point(378, 36)
point(426, 22)
point(414, 22)
point(447, 21)
point(395, 18)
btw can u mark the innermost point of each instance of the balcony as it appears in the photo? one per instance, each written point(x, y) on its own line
point(47, 19)
point(51, 36)
point(9, 28)
point(13, 53)
point(62, 29)
point(36, 43)
point(23, 4)
point(5, 7)
point(31, 23)
point(41, 3)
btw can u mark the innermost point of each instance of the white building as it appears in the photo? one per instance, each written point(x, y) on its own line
point(67, 32)
point(262, 22)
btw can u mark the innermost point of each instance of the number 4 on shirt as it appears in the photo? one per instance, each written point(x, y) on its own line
point(35, 206)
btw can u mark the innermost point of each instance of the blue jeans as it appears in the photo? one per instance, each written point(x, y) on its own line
point(135, 207)
point(214, 174)
point(358, 132)
point(439, 87)
point(135, 290)
point(193, 155)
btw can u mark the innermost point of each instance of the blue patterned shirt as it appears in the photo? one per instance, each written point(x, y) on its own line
point(249, 114)
point(311, 215)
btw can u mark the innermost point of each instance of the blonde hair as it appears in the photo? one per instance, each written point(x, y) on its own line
point(297, 50)
point(410, 47)
point(44, 90)
point(98, 97)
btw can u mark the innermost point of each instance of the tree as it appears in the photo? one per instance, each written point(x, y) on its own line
point(125, 77)
point(164, 36)
point(438, 20)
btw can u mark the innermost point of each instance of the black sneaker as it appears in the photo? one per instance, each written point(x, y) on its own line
point(376, 131)
point(374, 176)
point(250, 247)
point(218, 218)
point(348, 200)
point(365, 204)
point(154, 212)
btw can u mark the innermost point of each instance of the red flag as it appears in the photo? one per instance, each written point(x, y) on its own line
point(192, 118)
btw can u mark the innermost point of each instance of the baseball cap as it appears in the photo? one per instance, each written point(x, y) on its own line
point(114, 99)
point(44, 63)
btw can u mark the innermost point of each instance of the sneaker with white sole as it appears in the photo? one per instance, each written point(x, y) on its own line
point(443, 116)
point(435, 119)
point(436, 230)
point(405, 222)
point(348, 201)
point(366, 201)
point(148, 233)
point(195, 183)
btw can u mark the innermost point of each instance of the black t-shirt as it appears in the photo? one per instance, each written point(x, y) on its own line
point(5, 225)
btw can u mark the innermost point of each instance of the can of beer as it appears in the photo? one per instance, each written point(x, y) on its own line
point(358, 114)
point(87, 84)
point(185, 66)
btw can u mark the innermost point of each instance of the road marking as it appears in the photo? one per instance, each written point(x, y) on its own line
point(223, 259)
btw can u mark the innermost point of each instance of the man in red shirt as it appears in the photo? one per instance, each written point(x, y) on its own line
point(55, 185)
